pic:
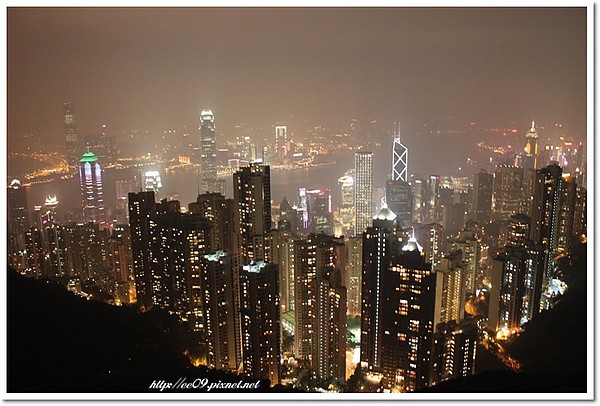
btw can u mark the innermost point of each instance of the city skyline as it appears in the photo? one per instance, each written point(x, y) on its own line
point(235, 186)
point(267, 65)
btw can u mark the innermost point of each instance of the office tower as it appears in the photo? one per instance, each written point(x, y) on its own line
point(454, 351)
point(330, 325)
point(311, 255)
point(408, 311)
point(399, 198)
point(219, 210)
point(303, 209)
point(320, 217)
point(379, 242)
point(346, 203)
point(432, 210)
point(152, 183)
point(418, 188)
point(72, 144)
point(545, 215)
point(530, 165)
point(508, 191)
point(221, 318)
point(470, 245)
point(260, 320)
point(430, 236)
point(281, 143)
point(90, 181)
point(399, 157)
point(363, 190)
point(516, 287)
point(519, 226)
point(566, 214)
point(287, 217)
point(450, 292)
point(252, 213)
point(123, 188)
point(354, 272)
point(208, 151)
point(483, 186)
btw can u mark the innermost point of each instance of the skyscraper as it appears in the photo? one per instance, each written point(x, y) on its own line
point(363, 190)
point(346, 203)
point(399, 157)
point(281, 146)
point(252, 213)
point(320, 216)
point(260, 320)
point(90, 181)
point(71, 140)
point(508, 190)
point(399, 198)
point(483, 187)
point(208, 152)
point(152, 183)
point(530, 165)
point(18, 222)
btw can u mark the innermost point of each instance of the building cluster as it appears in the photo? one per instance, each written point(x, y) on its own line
point(412, 265)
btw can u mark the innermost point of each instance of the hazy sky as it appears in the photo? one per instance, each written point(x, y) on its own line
point(159, 67)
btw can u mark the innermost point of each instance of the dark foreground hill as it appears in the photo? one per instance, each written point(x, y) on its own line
point(59, 342)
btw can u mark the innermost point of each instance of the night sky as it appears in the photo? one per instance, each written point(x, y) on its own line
point(157, 68)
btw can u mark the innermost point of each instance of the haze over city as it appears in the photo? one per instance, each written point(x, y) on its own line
point(299, 199)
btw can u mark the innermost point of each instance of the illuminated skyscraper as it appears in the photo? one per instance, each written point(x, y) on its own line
point(208, 152)
point(346, 204)
point(363, 190)
point(260, 320)
point(152, 183)
point(508, 192)
point(320, 217)
point(281, 144)
point(71, 140)
point(399, 198)
point(18, 222)
point(530, 164)
point(399, 157)
point(450, 292)
point(470, 245)
point(90, 181)
point(252, 213)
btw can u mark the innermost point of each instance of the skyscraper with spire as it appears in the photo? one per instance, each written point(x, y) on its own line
point(399, 157)
point(398, 192)
point(530, 156)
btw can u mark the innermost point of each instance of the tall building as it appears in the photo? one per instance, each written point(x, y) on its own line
point(72, 144)
point(354, 271)
point(430, 236)
point(470, 245)
point(320, 216)
point(281, 142)
point(530, 165)
point(252, 213)
point(260, 320)
point(90, 181)
point(346, 203)
point(379, 242)
point(454, 351)
point(312, 255)
point(408, 312)
point(142, 206)
point(330, 326)
point(450, 292)
point(483, 187)
point(221, 318)
point(399, 198)
point(219, 210)
point(519, 226)
point(399, 157)
point(208, 151)
point(18, 223)
point(545, 214)
point(508, 191)
point(153, 183)
point(363, 190)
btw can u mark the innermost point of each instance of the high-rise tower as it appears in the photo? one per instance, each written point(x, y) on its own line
point(90, 181)
point(399, 157)
point(208, 151)
point(363, 190)
point(72, 143)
